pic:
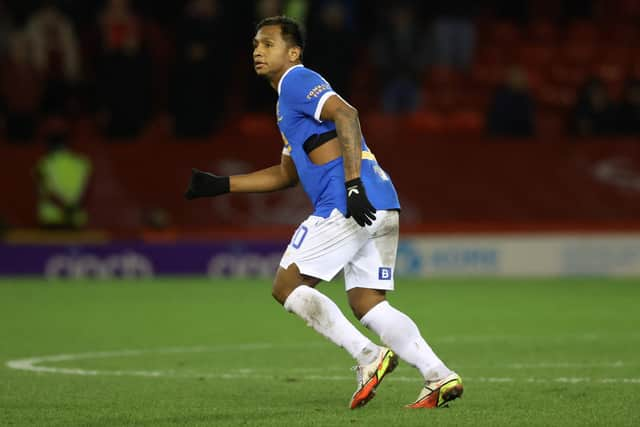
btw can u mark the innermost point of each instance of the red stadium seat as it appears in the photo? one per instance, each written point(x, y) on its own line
point(614, 64)
point(542, 30)
point(630, 8)
point(623, 34)
point(536, 54)
point(444, 89)
point(493, 54)
point(443, 76)
point(620, 55)
point(555, 96)
point(550, 123)
point(444, 100)
point(583, 30)
point(610, 73)
point(159, 128)
point(426, 122)
point(466, 122)
point(487, 74)
point(364, 81)
point(504, 33)
point(476, 98)
point(634, 71)
point(383, 126)
point(577, 52)
point(256, 125)
point(616, 90)
point(568, 74)
point(536, 77)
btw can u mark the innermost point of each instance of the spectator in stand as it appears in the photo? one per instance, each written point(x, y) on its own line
point(512, 109)
point(629, 112)
point(124, 72)
point(56, 55)
point(594, 114)
point(5, 30)
point(118, 24)
point(63, 178)
point(265, 8)
point(21, 89)
point(296, 9)
point(398, 54)
point(329, 32)
point(453, 33)
point(197, 99)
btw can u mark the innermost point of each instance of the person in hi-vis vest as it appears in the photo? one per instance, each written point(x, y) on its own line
point(63, 177)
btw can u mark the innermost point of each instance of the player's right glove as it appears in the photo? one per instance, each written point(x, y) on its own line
point(358, 205)
point(205, 184)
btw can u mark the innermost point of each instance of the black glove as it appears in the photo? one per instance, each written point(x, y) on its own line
point(358, 206)
point(205, 184)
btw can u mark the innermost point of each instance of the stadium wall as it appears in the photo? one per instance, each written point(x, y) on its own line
point(441, 180)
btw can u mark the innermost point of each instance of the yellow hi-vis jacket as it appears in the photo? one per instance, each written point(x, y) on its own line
point(65, 176)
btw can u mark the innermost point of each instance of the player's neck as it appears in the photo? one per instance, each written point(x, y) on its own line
point(275, 80)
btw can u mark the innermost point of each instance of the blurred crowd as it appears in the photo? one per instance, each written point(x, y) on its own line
point(122, 63)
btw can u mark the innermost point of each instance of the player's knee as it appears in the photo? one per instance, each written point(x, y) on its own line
point(356, 310)
point(284, 283)
point(362, 300)
point(360, 308)
point(278, 293)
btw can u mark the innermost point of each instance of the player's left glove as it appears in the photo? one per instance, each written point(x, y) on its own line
point(358, 205)
point(205, 184)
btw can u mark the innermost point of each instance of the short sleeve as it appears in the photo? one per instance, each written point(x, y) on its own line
point(306, 92)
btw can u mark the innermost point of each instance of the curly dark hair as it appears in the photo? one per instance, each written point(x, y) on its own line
point(292, 31)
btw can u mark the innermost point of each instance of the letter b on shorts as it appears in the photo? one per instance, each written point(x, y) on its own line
point(384, 273)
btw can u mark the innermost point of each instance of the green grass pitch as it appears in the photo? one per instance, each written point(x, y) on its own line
point(201, 352)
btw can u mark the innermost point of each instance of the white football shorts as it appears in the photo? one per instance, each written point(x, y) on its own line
point(321, 247)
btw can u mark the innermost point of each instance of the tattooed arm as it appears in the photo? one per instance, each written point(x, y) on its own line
point(347, 123)
point(350, 137)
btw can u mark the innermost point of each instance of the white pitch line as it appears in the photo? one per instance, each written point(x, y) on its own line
point(585, 337)
point(562, 365)
point(33, 365)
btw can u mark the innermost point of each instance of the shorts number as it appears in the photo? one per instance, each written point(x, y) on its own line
point(299, 236)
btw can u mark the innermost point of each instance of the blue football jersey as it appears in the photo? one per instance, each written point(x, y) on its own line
point(302, 94)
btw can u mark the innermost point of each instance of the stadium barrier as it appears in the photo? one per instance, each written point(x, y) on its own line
point(521, 255)
point(418, 256)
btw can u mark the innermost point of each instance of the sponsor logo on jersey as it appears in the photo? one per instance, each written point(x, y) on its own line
point(313, 93)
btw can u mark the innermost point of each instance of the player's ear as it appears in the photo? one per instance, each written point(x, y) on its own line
point(295, 53)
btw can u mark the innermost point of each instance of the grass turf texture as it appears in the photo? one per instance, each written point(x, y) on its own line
point(531, 352)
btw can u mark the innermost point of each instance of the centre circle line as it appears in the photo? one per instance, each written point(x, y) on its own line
point(33, 364)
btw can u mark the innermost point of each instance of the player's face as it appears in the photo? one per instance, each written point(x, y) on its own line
point(271, 54)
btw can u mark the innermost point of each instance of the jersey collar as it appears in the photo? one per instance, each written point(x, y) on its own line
point(284, 75)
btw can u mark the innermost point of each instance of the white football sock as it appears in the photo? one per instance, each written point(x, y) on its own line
point(401, 334)
point(323, 315)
